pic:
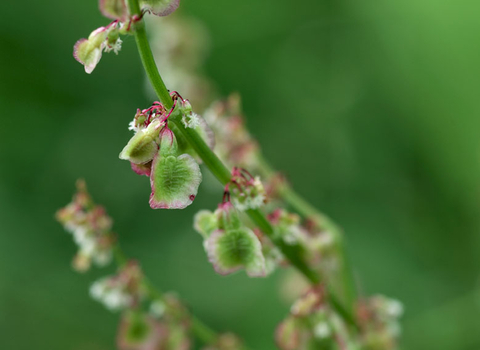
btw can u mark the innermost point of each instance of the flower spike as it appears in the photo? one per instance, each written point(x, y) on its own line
point(91, 229)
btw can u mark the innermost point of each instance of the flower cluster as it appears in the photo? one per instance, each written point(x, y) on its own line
point(154, 151)
point(105, 39)
point(313, 324)
point(140, 331)
point(122, 290)
point(379, 321)
point(89, 51)
point(91, 229)
point(247, 191)
point(318, 246)
point(166, 326)
point(234, 144)
point(150, 320)
point(226, 341)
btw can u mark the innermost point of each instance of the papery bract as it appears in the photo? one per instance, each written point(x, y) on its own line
point(233, 249)
point(230, 246)
point(205, 222)
point(226, 341)
point(160, 7)
point(142, 147)
point(174, 179)
point(287, 335)
point(114, 9)
point(87, 54)
point(89, 51)
point(228, 217)
point(140, 332)
point(273, 256)
point(142, 169)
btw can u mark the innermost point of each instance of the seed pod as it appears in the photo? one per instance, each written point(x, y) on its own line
point(205, 222)
point(160, 7)
point(142, 146)
point(232, 249)
point(174, 179)
point(114, 9)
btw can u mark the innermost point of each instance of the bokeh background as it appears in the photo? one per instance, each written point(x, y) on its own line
point(372, 108)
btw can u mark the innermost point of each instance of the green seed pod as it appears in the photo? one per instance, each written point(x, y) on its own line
point(174, 179)
point(205, 222)
point(142, 147)
point(233, 249)
point(160, 7)
point(228, 217)
point(114, 9)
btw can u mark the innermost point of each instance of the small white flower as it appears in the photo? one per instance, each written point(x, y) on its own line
point(239, 205)
point(290, 239)
point(157, 308)
point(191, 121)
point(97, 290)
point(131, 126)
point(322, 330)
point(394, 308)
point(115, 299)
point(257, 201)
point(70, 226)
point(88, 246)
point(103, 257)
point(115, 47)
point(80, 235)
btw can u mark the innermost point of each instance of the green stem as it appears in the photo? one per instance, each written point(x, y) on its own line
point(210, 159)
point(305, 209)
point(202, 331)
point(147, 57)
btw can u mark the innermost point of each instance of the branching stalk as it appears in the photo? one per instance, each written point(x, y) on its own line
point(215, 165)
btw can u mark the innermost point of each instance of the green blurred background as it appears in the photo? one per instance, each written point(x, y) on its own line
point(370, 107)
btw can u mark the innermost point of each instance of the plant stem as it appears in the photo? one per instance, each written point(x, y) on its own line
point(324, 222)
point(213, 163)
point(305, 209)
point(202, 331)
point(147, 58)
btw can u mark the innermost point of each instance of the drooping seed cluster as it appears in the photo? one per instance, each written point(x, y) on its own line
point(150, 320)
point(105, 39)
point(313, 324)
point(90, 227)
